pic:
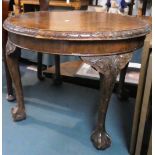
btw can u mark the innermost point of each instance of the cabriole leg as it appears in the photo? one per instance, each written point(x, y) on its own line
point(108, 68)
point(18, 112)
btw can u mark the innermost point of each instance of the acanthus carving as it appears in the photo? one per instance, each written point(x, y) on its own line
point(75, 35)
point(10, 47)
point(106, 64)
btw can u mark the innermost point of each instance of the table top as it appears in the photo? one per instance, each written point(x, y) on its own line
point(76, 25)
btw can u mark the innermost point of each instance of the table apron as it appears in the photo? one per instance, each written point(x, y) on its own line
point(79, 48)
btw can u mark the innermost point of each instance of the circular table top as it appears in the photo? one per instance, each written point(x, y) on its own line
point(76, 25)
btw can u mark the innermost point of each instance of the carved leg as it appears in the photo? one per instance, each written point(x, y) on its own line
point(108, 67)
point(18, 112)
point(10, 96)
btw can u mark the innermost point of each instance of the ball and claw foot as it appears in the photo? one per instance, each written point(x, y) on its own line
point(18, 115)
point(101, 140)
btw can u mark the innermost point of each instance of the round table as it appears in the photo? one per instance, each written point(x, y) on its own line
point(105, 41)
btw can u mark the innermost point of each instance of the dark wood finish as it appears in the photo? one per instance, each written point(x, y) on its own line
point(108, 67)
point(39, 66)
point(98, 38)
point(5, 10)
point(18, 112)
point(44, 6)
point(57, 77)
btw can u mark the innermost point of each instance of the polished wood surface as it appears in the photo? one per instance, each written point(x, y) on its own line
point(77, 25)
point(72, 32)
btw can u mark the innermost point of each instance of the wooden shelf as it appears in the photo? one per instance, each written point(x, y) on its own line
point(67, 69)
point(70, 68)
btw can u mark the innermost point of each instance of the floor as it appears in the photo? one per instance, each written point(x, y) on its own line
point(60, 120)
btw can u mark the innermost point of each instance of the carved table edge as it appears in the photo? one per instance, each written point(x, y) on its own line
point(70, 35)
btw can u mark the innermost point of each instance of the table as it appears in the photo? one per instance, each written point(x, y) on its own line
point(105, 41)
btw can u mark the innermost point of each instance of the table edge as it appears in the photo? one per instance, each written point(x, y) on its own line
point(76, 35)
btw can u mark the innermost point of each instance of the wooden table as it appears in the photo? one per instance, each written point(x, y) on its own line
point(105, 41)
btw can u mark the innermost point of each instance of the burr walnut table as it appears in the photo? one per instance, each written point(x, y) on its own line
point(104, 41)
